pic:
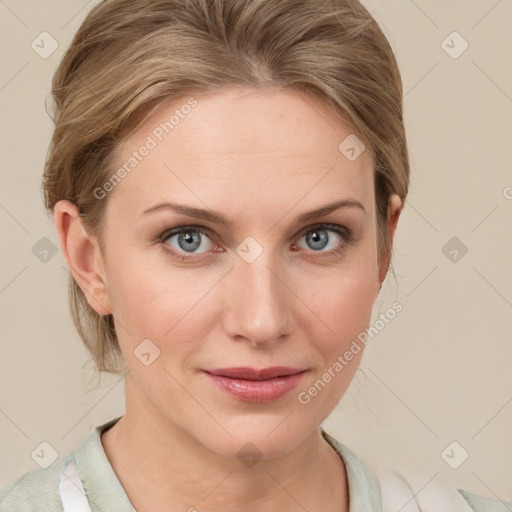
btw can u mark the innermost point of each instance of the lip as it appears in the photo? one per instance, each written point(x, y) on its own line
point(258, 386)
point(248, 373)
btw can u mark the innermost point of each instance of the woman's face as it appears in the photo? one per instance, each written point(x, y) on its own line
point(264, 289)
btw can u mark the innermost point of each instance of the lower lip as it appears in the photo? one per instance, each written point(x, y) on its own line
point(258, 391)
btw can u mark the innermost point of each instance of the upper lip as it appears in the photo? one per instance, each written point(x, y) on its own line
point(247, 373)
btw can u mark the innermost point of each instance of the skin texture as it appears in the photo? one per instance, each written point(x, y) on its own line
point(261, 158)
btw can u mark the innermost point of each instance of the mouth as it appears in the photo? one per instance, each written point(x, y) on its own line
point(257, 385)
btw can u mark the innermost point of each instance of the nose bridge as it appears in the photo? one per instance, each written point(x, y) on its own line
point(258, 300)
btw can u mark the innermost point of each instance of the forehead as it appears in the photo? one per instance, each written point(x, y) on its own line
point(245, 145)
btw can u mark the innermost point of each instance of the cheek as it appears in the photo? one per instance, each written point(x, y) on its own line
point(337, 335)
point(345, 311)
point(343, 297)
point(153, 299)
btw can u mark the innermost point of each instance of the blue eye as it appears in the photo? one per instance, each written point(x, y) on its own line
point(189, 239)
point(318, 237)
point(192, 243)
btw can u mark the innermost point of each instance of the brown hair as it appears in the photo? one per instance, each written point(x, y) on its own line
point(130, 56)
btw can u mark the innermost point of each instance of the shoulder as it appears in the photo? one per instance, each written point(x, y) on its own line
point(383, 489)
point(34, 491)
point(427, 494)
point(38, 490)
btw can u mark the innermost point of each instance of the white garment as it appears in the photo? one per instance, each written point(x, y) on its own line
point(71, 491)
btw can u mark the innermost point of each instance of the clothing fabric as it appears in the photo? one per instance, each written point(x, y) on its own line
point(84, 481)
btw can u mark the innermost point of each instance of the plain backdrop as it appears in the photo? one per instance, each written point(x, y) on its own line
point(435, 385)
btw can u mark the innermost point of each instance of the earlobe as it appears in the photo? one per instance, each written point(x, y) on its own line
point(83, 256)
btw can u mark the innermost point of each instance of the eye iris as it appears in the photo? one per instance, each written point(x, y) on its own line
point(192, 242)
point(318, 236)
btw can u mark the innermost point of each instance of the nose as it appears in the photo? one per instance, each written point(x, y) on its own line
point(258, 304)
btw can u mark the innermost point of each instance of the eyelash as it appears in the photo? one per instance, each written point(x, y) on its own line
point(344, 233)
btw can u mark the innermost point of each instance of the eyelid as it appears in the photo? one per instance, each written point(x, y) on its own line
point(178, 229)
point(325, 225)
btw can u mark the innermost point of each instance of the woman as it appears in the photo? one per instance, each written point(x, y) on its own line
point(226, 179)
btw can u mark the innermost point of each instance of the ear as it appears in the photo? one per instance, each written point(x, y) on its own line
point(83, 256)
point(394, 209)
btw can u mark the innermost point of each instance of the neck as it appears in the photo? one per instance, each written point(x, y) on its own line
point(161, 467)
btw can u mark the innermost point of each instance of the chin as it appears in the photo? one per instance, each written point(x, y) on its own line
point(254, 439)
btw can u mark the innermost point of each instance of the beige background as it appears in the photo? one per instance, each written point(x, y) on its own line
point(439, 372)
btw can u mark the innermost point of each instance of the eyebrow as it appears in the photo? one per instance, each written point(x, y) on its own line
point(219, 218)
